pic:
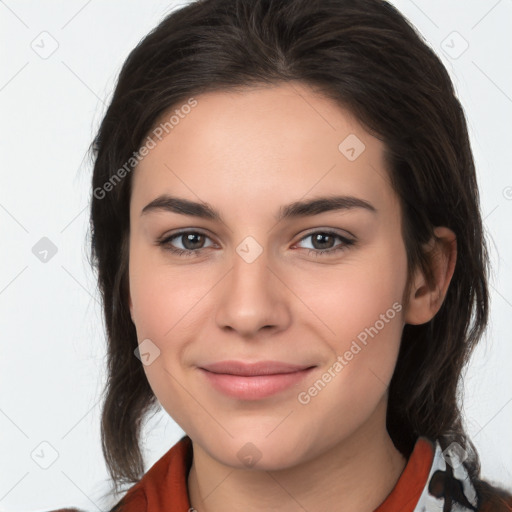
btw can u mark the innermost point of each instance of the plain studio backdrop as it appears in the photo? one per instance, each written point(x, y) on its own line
point(58, 65)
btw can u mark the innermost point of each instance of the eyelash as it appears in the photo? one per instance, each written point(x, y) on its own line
point(165, 243)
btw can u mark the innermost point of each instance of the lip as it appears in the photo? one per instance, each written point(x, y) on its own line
point(253, 381)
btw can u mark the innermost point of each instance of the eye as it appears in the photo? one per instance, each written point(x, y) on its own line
point(190, 240)
point(322, 242)
point(193, 243)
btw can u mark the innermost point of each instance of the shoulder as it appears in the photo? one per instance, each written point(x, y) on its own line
point(164, 482)
point(493, 498)
point(67, 510)
point(133, 501)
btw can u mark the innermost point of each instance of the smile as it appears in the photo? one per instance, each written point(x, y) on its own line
point(253, 381)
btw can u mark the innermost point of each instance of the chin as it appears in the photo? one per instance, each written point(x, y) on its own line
point(257, 451)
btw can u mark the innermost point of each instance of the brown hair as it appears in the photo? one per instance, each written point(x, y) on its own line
point(364, 55)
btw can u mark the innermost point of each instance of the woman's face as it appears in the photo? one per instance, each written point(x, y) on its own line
point(255, 286)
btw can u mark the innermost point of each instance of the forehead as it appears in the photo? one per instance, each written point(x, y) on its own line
point(278, 142)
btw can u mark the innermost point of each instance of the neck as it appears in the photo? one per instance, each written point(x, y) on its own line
point(356, 474)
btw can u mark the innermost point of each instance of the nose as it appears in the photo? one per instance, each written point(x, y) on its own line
point(251, 297)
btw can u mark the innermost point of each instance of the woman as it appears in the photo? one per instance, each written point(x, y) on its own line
point(307, 377)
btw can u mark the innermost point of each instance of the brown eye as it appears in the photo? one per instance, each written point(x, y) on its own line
point(322, 242)
point(192, 242)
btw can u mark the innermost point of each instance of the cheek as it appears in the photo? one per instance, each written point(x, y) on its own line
point(361, 306)
point(168, 305)
point(372, 304)
point(150, 300)
point(161, 295)
point(366, 317)
point(353, 296)
point(374, 315)
point(163, 307)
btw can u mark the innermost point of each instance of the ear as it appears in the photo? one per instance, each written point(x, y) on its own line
point(425, 301)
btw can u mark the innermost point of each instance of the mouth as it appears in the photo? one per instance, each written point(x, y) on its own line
point(253, 381)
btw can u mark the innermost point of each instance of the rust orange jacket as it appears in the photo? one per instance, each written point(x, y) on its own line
point(421, 486)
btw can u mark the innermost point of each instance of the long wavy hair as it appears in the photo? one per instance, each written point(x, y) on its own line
point(365, 56)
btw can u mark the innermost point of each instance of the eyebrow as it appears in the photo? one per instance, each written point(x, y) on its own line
point(296, 209)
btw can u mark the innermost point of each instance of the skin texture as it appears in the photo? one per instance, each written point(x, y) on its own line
point(247, 154)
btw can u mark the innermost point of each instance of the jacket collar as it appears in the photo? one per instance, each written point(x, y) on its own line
point(448, 483)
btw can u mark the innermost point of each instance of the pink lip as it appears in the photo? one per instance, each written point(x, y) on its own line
point(254, 381)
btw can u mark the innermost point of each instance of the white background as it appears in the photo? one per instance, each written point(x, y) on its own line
point(52, 341)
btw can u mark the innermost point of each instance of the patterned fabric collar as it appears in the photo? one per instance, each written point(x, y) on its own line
point(448, 486)
point(436, 476)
